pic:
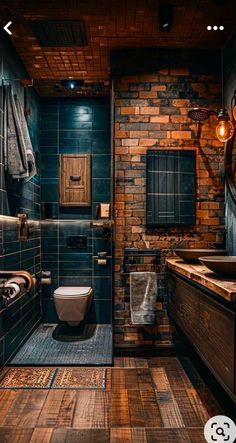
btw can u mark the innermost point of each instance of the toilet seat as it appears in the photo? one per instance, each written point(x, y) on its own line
point(72, 303)
point(72, 291)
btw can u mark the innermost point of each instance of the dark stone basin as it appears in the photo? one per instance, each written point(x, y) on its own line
point(192, 255)
point(221, 265)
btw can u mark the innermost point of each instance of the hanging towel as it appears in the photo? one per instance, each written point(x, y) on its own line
point(143, 294)
point(18, 151)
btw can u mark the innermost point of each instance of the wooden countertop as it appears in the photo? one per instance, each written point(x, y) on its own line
point(224, 287)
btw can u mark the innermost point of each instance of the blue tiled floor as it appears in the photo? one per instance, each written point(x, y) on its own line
point(42, 349)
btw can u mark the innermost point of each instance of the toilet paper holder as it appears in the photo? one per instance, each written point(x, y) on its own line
point(45, 277)
point(14, 284)
point(102, 258)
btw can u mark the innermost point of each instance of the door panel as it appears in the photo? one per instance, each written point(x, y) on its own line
point(75, 180)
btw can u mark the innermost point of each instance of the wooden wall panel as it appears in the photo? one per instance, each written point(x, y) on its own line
point(75, 180)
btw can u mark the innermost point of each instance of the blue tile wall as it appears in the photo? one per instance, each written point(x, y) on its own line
point(75, 126)
point(22, 316)
point(66, 126)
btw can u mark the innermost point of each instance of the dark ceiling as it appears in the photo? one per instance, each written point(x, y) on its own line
point(109, 25)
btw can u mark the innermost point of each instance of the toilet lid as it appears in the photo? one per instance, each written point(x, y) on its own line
point(73, 290)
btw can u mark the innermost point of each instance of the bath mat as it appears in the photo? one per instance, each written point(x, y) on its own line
point(42, 349)
point(69, 334)
point(80, 378)
point(27, 378)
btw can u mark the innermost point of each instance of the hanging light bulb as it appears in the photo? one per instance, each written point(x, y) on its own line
point(224, 129)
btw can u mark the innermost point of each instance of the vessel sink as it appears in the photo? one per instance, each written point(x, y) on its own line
point(192, 255)
point(224, 265)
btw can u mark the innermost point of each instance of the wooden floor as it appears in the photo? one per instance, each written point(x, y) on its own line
point(146, 401)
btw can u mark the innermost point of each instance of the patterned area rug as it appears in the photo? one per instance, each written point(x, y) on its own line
point(27, 378)
point(80, 378)
point(42, 349)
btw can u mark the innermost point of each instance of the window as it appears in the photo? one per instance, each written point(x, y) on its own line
point(171, 187)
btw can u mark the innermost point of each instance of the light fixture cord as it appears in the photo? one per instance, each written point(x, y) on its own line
point(222, 76)
point(219, 13)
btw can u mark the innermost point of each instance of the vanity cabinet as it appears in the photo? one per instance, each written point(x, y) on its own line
point(217, 329)
point(209, 324)
point(184, 306)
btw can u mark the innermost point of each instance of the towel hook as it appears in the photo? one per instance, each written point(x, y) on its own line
point(25, 83)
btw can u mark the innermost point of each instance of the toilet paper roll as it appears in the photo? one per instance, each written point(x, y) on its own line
point(15, 290)
point(17, 279)
point(102, 261)
point(46, 281)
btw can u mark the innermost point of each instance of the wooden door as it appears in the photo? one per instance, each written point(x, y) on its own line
point(75, 180)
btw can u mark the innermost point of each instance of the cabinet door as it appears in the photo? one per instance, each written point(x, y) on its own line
point(75, 180)
point(217, 328)
point(184, 306)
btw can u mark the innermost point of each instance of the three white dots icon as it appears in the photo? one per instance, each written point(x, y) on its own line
point(215, 28)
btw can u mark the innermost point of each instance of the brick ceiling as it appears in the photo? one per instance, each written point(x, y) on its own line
point(110, 25)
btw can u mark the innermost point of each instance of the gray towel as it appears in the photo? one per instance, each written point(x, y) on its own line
point(143, 294)
point(18, 151)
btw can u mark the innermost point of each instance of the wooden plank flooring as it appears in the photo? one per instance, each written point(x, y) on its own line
point(145, 401)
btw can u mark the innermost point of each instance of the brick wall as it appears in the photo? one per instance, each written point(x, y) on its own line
point(151, 112)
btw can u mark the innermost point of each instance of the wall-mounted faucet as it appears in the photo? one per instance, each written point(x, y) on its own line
point(24, 227)
point(105, 225)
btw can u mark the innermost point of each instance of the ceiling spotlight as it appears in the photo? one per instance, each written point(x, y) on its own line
point(209, 28)
point(72, 85)
point(166, 14)
point(215, 28)
point(221, 28)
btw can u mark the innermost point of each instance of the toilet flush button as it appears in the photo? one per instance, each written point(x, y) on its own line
point(6, 28)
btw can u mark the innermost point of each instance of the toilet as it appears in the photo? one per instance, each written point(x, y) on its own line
point(72, 303)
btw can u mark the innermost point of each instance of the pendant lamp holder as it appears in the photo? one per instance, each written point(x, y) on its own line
point(223, 115)
point(225, 128)
point(233, 107)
